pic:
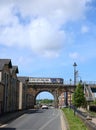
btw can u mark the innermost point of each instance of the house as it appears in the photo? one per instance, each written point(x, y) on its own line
point(5, 76)
point(8, 86)
point(14, 89)
point(22, 99)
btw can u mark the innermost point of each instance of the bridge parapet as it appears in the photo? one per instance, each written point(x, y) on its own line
point(68, 82)
point(88, 92)
point(90, 82)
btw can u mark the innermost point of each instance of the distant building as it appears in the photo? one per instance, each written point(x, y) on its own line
point(65, 99)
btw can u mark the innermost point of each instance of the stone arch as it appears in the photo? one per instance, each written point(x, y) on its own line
point(54, 89)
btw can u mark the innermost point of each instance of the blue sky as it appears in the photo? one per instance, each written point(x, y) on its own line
point(45, 95)
point(45, 38)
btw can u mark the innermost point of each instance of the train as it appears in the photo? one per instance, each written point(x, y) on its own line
point(46, 80)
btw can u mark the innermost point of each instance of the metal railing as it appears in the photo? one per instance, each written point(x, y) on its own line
point(88, 93)
point(90, 82)
point(83, 82)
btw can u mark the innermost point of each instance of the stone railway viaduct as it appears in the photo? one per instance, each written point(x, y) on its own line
point(18, 93)
point(55, 89)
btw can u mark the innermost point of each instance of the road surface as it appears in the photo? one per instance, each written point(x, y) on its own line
point(43, 119)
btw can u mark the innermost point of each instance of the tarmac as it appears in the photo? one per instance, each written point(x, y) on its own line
point(8, 117)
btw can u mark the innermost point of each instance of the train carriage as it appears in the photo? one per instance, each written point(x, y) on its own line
point(46, 80)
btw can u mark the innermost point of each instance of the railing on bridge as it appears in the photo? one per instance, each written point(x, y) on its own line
point(88, 93)
point(88, 87)
point(91, 83)
point(58, 81)
point(68, 82)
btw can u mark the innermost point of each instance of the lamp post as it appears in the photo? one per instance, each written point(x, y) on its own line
point(70, 93)
point(75, 72)
point(70, 81)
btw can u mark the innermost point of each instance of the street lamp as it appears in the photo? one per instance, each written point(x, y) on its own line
point(75, 72)
point(70, 93)
point(70, 81)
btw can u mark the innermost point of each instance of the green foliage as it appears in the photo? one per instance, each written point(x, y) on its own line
point(78, 98)
point(45, 101)
point(74, 122)
point(93, 103)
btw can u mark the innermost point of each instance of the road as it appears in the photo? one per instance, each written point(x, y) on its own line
point(43, 119)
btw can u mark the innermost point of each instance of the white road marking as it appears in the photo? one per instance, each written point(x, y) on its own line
point(2, 126)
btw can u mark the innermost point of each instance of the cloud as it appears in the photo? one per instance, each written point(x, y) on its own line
point(65, 9)
point(45, 37)
point(74, 55)
point(42, 33)
point(38, 36)
point(84, 29)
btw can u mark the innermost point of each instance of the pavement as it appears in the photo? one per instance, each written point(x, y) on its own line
point(64, 123)
point(94, 120)
point(7, 117)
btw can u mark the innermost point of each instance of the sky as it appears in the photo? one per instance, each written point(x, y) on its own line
point(45, 95)
point(45, 38)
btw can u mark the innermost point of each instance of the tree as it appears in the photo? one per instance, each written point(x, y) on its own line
point(45, 101)
point(78, 98)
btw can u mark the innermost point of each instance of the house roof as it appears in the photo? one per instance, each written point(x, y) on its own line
point(5, 62)
point(15, 68)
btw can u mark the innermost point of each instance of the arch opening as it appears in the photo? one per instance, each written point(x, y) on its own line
point(44, 97)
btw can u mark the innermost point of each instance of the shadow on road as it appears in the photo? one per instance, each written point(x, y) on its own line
point(34, 111)
point(7, 128)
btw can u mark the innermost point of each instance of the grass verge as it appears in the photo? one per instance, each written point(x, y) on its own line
point(92, 113)
point(75, 123)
